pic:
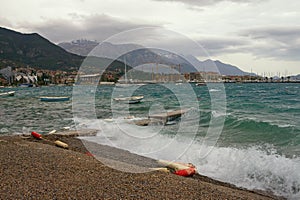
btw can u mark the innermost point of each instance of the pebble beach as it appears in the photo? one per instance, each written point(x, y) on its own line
point(37, 169)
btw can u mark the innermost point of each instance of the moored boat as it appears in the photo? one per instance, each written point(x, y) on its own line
point(54, 98)
point(130, 100)
point(11, 93)
point(26, 85)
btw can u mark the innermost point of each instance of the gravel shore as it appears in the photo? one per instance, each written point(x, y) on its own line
point(37, 169)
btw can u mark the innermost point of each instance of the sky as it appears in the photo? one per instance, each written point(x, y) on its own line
point(257, 36)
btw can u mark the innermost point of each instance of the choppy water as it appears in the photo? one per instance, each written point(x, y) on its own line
point(259, 147)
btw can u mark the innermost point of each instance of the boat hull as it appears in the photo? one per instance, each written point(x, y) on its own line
point(130, 100)
point(54, 99)
point(11, 93)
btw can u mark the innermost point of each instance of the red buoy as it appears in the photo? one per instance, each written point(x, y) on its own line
point(89, 154)
point(186, 172)
point(36, 135)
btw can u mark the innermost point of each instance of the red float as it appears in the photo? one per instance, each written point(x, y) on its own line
point(36, 135)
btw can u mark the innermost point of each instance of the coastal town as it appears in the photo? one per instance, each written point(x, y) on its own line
point(16, 76)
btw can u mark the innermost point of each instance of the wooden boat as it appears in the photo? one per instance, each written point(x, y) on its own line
point(11, 93)
point(130, 100)
point(54, 99)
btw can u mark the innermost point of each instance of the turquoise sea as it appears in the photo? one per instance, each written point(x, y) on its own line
point(245, 134)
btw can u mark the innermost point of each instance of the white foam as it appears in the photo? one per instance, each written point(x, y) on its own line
point(253, 168)
point(214, 90)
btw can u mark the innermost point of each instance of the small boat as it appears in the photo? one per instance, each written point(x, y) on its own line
point(200, 84)
point(26, 85)
point(130, 100)
point(11, 93)
point(54, 99)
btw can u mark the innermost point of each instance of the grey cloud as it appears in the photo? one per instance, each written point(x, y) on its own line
point(281, 42)
point(216, 46)
point(281, 34)
point(200, 3)
point(94, 27)
point(278, 43)
point(5, 22)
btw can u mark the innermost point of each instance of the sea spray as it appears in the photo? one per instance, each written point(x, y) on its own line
point(260, 139)
point(256, 167)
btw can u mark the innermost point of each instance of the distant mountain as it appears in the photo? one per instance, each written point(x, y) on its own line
point(136, 55)
point(35, 50)
point(81, 47)
point(218, 66)
point(85, 47)
point(18, 49)
point(296, 77)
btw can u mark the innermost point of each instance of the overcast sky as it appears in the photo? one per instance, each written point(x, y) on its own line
point(262, 36)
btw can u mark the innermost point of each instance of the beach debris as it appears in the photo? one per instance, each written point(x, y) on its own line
point(180, 169)
point(66, 128)
point(51, 132)
point(89, 154)
point(61, 144)
point(57, 142)
point(161, 169)
point(36, 135)
point(77, 133)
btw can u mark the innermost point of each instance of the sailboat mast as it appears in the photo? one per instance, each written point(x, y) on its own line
point(125, 70)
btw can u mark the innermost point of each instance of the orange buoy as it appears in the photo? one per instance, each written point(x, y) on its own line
point(36, 135)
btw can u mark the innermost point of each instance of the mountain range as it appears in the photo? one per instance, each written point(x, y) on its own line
point(136, 55)
point(34, 50)
point(19, 49)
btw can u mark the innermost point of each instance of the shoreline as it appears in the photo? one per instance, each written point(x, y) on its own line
point(38, 169)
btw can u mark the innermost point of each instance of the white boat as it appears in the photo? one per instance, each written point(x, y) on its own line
point(54, 98)
point(26, 85)
point(200, 84)
point(11, 93)
point(130, 100)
